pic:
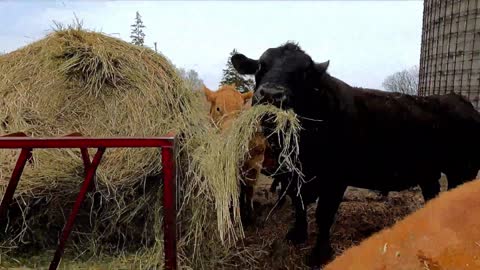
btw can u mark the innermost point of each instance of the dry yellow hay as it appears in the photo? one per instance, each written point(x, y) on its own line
point(79, 81)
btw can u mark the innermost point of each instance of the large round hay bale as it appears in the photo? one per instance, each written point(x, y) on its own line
point(79, 81)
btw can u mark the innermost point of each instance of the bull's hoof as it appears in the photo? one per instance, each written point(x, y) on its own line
point(319, 256)
point(297, 236)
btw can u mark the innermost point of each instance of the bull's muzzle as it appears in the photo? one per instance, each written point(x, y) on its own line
point(270, 94)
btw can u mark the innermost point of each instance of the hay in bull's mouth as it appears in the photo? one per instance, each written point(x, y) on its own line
point(81, 81)
point(221, 158)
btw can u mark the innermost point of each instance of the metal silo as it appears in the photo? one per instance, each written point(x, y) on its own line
point(450, 49)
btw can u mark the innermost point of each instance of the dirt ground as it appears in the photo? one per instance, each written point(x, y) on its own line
point(361, 213)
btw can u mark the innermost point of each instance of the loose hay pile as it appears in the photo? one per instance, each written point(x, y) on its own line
point(80, 81)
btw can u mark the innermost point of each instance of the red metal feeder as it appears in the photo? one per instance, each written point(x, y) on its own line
point(75, 140)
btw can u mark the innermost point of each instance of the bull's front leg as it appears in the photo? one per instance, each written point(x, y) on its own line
point(251, 173)
point(243, 203)
point(298, 234)
point(246, 204)
point(328, 202)
point(249, 214)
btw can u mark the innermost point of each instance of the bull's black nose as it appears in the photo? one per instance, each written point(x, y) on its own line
point(271, 95)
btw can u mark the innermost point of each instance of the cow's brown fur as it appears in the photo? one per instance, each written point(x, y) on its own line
point(225, 105)
point(444, 235)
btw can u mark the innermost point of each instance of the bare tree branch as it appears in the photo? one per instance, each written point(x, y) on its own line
point(405, 81)
point(191, 78)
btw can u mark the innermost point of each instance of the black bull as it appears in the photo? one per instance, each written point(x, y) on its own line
point(367, 138)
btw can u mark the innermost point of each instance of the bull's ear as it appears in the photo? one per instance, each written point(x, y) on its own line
point(243, 64)
point(209, 94)
point(322, 67)
point(247, 96)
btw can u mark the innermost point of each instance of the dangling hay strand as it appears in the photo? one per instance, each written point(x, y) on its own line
point(223, 154)
point(80, 81)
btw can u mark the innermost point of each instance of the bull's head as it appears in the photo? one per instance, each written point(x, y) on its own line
point(283, 75)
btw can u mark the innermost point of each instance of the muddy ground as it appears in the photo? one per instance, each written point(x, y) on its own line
point(361, 213)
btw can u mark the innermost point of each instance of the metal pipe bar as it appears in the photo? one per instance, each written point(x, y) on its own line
point(76, 207)
point(25, 155)
point(84, 142)
point(85, 158)
point(83, 151)
point(169, 209)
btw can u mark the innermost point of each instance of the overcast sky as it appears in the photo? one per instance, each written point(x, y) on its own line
point(365, 41)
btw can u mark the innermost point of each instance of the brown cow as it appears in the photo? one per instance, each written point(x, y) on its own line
point(225, 105)
point(444, 235)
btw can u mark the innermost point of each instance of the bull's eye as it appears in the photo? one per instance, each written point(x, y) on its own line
point(218, 109)
point(259, 67)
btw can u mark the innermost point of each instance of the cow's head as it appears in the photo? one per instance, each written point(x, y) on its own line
point(226, 103)
point(283, 75)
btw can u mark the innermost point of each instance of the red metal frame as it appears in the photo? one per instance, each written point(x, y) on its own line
point(167, 144)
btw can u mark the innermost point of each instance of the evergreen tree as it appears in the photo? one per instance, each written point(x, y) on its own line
point(244, 83)
point(137, 35)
